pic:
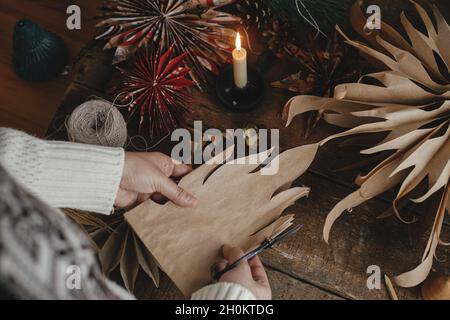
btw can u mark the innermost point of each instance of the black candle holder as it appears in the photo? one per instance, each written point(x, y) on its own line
point(237, 99)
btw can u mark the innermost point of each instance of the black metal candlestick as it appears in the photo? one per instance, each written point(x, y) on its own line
point(237, 99)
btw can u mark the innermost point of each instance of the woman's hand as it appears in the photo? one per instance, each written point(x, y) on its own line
point(249, 274)
point(150, 175)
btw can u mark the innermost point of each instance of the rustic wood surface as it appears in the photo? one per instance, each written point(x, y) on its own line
point(31, 106)
point(303, 267)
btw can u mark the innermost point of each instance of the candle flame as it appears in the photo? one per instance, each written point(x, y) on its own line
point(238, 42)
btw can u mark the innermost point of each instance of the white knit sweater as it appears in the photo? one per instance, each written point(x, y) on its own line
point(78, 176)
point(65, 175)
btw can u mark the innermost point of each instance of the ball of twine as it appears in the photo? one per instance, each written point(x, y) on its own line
point(97, 122)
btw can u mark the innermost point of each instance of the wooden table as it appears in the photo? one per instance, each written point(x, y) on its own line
point(303, 267)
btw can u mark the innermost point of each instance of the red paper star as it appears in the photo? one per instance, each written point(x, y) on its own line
point(154, 83)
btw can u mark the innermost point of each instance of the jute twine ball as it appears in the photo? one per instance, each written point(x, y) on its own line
point(97, 122)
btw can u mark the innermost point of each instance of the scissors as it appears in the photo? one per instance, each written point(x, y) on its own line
point(268, 243)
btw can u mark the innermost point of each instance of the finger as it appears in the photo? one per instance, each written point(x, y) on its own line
point(169, 166)
point(125, 198)
point(258, 272)
point(232, 254)
point(142, 197)
point(180, 170)
point(217, 268)
point(159, 198)
point(162, 162)
point(173, 192)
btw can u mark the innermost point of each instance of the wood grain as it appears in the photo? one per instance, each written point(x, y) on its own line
point(28, 106)
point(303, 267)
point(358, 240)
point(284, 287)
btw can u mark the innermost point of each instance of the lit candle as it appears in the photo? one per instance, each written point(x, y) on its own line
point(239, 64)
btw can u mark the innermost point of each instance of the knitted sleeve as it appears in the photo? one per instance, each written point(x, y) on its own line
point(223, 291)
point(64, 174)
point(44, 255)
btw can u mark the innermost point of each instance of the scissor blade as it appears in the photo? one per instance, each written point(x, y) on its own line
point(287, 233)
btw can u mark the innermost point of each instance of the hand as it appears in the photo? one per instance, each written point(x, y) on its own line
point(148, 175)
point(249, 274)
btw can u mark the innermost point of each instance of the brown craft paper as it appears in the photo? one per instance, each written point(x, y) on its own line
point(236, 206)
point(119, 249)
point(412, 105)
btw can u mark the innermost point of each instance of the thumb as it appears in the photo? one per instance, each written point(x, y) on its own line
point(232, 254)
point(175, 193)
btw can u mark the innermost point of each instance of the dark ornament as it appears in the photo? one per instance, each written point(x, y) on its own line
point(38, 55)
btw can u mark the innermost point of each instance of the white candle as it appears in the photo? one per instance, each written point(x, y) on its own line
point(239, 64)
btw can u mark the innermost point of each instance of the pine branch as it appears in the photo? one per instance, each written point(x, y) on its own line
point(322, 15)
